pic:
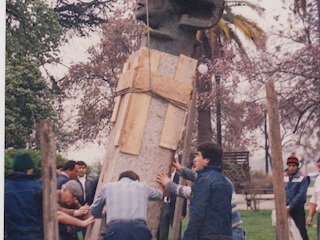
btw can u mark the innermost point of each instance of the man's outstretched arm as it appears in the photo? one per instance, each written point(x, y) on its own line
point(173, 188)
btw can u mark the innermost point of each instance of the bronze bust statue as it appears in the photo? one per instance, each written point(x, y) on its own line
point(174, 22)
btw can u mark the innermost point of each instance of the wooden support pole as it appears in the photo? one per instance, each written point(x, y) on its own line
point(185, 160)
point(277, 165)
point(49, 181)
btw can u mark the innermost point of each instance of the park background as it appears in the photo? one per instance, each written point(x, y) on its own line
point(75, 51)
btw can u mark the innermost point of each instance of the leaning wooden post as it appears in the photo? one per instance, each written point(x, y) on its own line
point(49, 185)
point(277, 165)
point(185, 160)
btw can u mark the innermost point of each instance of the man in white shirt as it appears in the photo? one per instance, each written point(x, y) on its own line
point(86, 184)
point(87, 187)
point(315, 203)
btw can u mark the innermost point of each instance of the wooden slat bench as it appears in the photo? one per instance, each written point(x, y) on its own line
point(257, 195)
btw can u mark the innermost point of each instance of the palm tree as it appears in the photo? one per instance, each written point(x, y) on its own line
point(213, 41)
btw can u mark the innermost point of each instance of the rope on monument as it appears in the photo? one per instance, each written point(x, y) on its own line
point(150, 91)
point(148, 44)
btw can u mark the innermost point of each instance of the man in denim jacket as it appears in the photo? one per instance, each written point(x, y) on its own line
point(185, 192)
point(210, 201)
point(296, 185)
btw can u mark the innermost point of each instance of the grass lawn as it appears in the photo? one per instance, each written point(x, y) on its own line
point(257, 225)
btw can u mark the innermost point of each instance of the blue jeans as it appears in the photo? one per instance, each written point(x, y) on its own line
point(238, 233)
point(128, 230)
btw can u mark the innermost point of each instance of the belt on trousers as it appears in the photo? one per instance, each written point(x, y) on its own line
point(127, 221)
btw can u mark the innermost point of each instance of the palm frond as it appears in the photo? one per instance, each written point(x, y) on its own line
point(237, 41)
point(251, 31)
point(213, 37)
point(225, 29)
point(255, 7)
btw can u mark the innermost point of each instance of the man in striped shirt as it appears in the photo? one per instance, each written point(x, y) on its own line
point(125, 203)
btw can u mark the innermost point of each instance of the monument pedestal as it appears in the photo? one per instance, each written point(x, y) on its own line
point(154, 91)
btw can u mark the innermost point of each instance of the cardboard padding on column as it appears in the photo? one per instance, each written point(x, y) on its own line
point(186, 69)
point(126, 80)
point(171, 131)
point(164, 86)
point(149, 59)
point(134, 124)
point(117, 103)
point(175, 117)
point(120, 118)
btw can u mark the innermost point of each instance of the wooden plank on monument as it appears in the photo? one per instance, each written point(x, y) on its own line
point(126, 66)
point(186, 69)
point(149, 59)
point(171, 131)
point(126, 80)
point(120, 118)
point(175, 117)
point(134, 124)
point(117, 103)
point(164, 86)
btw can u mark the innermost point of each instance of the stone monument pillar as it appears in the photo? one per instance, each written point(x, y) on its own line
point(154, 91)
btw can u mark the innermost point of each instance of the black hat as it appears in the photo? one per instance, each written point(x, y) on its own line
point(22, 161)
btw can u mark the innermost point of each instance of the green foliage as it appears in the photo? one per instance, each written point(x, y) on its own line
point(32, 30)
point(36, 156)
point(27, 100)
point(33, 35)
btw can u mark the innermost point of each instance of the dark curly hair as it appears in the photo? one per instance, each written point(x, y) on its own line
point(129, 174)
point(212, 151)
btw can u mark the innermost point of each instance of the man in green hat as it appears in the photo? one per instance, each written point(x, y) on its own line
point(23, 201)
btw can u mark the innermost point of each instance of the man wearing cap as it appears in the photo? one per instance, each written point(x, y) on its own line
point(23, 201)
point(70, 212)
point(296, 186)
point(315, 203)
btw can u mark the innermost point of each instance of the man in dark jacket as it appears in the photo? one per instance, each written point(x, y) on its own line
point(296, 185)
point(87, 186)
point(69, 172)
point(210, 201)
point(86, 183)
point(23, 201)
